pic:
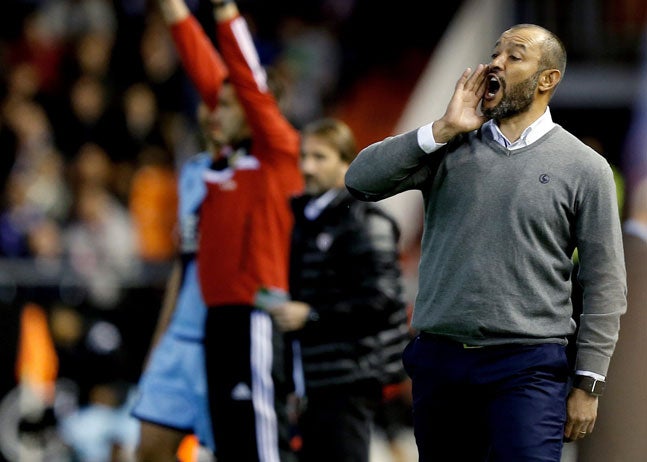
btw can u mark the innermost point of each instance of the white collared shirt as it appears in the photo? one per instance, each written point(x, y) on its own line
point(316, 205)
point(532, 133)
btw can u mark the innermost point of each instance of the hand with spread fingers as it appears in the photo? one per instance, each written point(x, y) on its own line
point(462, 114)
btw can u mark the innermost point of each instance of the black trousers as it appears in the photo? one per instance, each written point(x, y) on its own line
point(247, 385)
point(336, 423)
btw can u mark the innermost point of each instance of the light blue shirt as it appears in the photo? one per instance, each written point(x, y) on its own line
point(190, 310)
point(532, 133)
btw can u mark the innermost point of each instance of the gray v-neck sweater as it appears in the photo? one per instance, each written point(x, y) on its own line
point(499, 233)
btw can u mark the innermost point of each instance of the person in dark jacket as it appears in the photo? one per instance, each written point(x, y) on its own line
point(347, 309)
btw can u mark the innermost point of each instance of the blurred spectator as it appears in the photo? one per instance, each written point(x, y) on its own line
point(309, 61)
point(17, 217)
point(8, 146)
point(100, 244)
point(92, 54)
point(23, 82)
point(95, 423)
point(91, 166)
point(140, 123)
point(45, 242)
point(153, 205)
point(36, 185)
point(91, 353)
point(32, 128)
point(161, 66)
point(103, 431)
point(86, 117)
point(40, 50)
point(68, 19)
point(48, 189)
point(138, 129)
point(28, 409)
point(35, 168)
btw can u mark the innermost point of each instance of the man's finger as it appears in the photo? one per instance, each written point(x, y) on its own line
point(460, 84)
point(476, 79)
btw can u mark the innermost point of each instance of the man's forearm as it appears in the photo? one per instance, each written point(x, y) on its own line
point(386, 168)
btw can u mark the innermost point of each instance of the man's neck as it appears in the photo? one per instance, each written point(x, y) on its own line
point(513, 127)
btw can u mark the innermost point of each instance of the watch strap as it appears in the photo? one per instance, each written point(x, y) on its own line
point(589, 384)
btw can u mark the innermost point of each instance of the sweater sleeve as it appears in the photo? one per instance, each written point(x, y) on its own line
point(201, 61)
point(389, 167)
point(602, 272)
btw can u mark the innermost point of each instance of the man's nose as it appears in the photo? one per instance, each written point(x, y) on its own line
point(496, 64)
point(306, 165)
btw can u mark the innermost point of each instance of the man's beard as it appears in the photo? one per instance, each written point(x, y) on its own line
point(516, 99)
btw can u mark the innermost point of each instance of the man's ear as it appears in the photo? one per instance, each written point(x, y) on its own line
point(549, 79)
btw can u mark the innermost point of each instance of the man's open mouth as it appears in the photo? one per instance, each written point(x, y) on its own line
point(493, 86)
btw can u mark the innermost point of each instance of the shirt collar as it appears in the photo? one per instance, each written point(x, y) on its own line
point(316, 205)
point(532, 133)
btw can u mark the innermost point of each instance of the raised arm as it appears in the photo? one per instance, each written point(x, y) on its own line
point(201, 61)
point(407, 161)
point(269, 126)
point(387, 168)
point(462, 114)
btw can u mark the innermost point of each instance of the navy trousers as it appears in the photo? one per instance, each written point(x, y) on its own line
point(490, 404)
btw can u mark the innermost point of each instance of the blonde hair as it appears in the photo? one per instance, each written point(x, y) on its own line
point(337, 134)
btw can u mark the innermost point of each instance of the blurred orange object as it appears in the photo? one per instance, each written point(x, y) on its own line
point(37, 364)
point(188, 450)
point(153, 206)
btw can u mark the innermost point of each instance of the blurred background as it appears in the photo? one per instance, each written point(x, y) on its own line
point(96, 114)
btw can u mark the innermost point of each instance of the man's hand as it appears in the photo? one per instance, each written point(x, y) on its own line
point(462, 114)
point(290, 315)
point(224, 10)
point(173, 11)
point(581, 412)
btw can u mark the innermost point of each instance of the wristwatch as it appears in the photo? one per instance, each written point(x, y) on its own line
point(589, 384)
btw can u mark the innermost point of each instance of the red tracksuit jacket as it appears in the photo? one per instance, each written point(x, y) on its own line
point(245, 219)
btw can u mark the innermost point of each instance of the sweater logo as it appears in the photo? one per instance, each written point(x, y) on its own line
point(544, 178)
